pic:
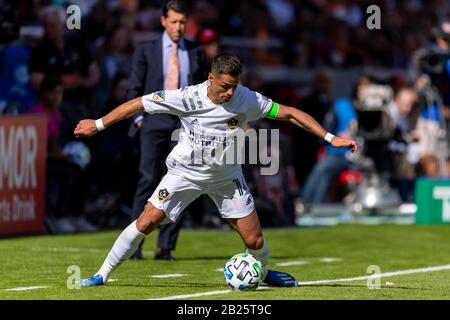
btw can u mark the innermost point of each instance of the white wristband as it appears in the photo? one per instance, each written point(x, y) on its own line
point(328, 137)
point(99, 125)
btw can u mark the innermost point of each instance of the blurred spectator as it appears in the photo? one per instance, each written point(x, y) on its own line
point(115, 59)
point(149, 16)
point(281, 8)
point(16, 91)
point(50, 98)
point(65, 56)
point(96, 23)
point(209, 39)
point(317, 103)
point(203, 13)
point(400, 111)
point(113, 166)
point(274, 194)
point(65, 179)
point(431, 151)
point(339, 120)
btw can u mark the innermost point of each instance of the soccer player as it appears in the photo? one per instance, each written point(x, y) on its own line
point(211, 113)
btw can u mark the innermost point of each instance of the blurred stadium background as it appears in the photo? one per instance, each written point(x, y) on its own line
point(389, 88)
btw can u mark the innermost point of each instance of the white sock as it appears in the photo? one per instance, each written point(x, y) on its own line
point(262, 255)
point(124, 247)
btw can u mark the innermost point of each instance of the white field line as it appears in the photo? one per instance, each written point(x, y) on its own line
point(172, 275)
point(381, 275)
point(27, 288)
point(302, 262)
point(291, 263)
point(327, 260)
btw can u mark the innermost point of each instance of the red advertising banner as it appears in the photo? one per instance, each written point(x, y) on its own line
point(23, 154)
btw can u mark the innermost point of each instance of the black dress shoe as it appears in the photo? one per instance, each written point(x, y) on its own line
point(164, 254)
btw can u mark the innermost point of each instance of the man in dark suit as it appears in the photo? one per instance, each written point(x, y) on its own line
point(167, 62)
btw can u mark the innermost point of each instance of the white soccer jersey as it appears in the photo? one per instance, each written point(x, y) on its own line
point(206, 149)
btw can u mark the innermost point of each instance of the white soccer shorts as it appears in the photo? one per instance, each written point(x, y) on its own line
point(174, 193)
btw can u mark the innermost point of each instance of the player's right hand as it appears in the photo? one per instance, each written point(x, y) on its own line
point(85, 128)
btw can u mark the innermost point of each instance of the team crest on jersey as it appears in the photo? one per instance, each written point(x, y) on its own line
point(163, 194)
point(232, 123)
point(159, 96)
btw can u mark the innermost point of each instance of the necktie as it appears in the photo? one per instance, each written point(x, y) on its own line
point(173, 69)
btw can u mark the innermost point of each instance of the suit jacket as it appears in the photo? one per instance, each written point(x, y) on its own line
point(147, 77)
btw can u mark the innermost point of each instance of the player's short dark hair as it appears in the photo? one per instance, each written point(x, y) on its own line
point(226, 64)
point(178, 6)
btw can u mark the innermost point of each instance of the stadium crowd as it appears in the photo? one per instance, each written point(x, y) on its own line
point(90, 184)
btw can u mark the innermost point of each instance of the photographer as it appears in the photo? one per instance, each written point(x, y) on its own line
point(341, 118)
point(433, 85)
point(401, 110)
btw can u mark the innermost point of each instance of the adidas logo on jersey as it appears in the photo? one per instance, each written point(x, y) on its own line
point(194, 122)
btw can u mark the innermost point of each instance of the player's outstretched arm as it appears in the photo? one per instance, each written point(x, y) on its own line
point(308, 123)
point(89, 127)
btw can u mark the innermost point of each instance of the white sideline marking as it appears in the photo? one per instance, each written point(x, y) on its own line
point(173, 275)
point(112, 280)
point(69, 249)
point(381, 275)
point(27, 288)
point(291, 263)
point(219, 269)
point(327, 260)
point(301, 262)
point(386, 274)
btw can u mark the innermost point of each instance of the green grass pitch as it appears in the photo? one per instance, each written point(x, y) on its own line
point(44, 261)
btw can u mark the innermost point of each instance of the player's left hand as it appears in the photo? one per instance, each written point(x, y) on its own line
point(85, 128)
point(340, 142)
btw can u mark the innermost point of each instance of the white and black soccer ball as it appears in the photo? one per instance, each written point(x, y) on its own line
point(243, 272)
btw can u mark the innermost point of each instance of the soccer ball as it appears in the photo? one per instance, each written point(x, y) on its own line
point(78, 153)
point(243, 272)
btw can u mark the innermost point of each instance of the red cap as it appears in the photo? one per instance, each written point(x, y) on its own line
point(207, 35)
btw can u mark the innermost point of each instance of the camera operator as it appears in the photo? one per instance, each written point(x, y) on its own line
point(433, 86)
point(434, 61)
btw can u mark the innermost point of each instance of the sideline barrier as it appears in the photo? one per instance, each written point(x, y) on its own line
point(23, 154)
point(433, 201)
